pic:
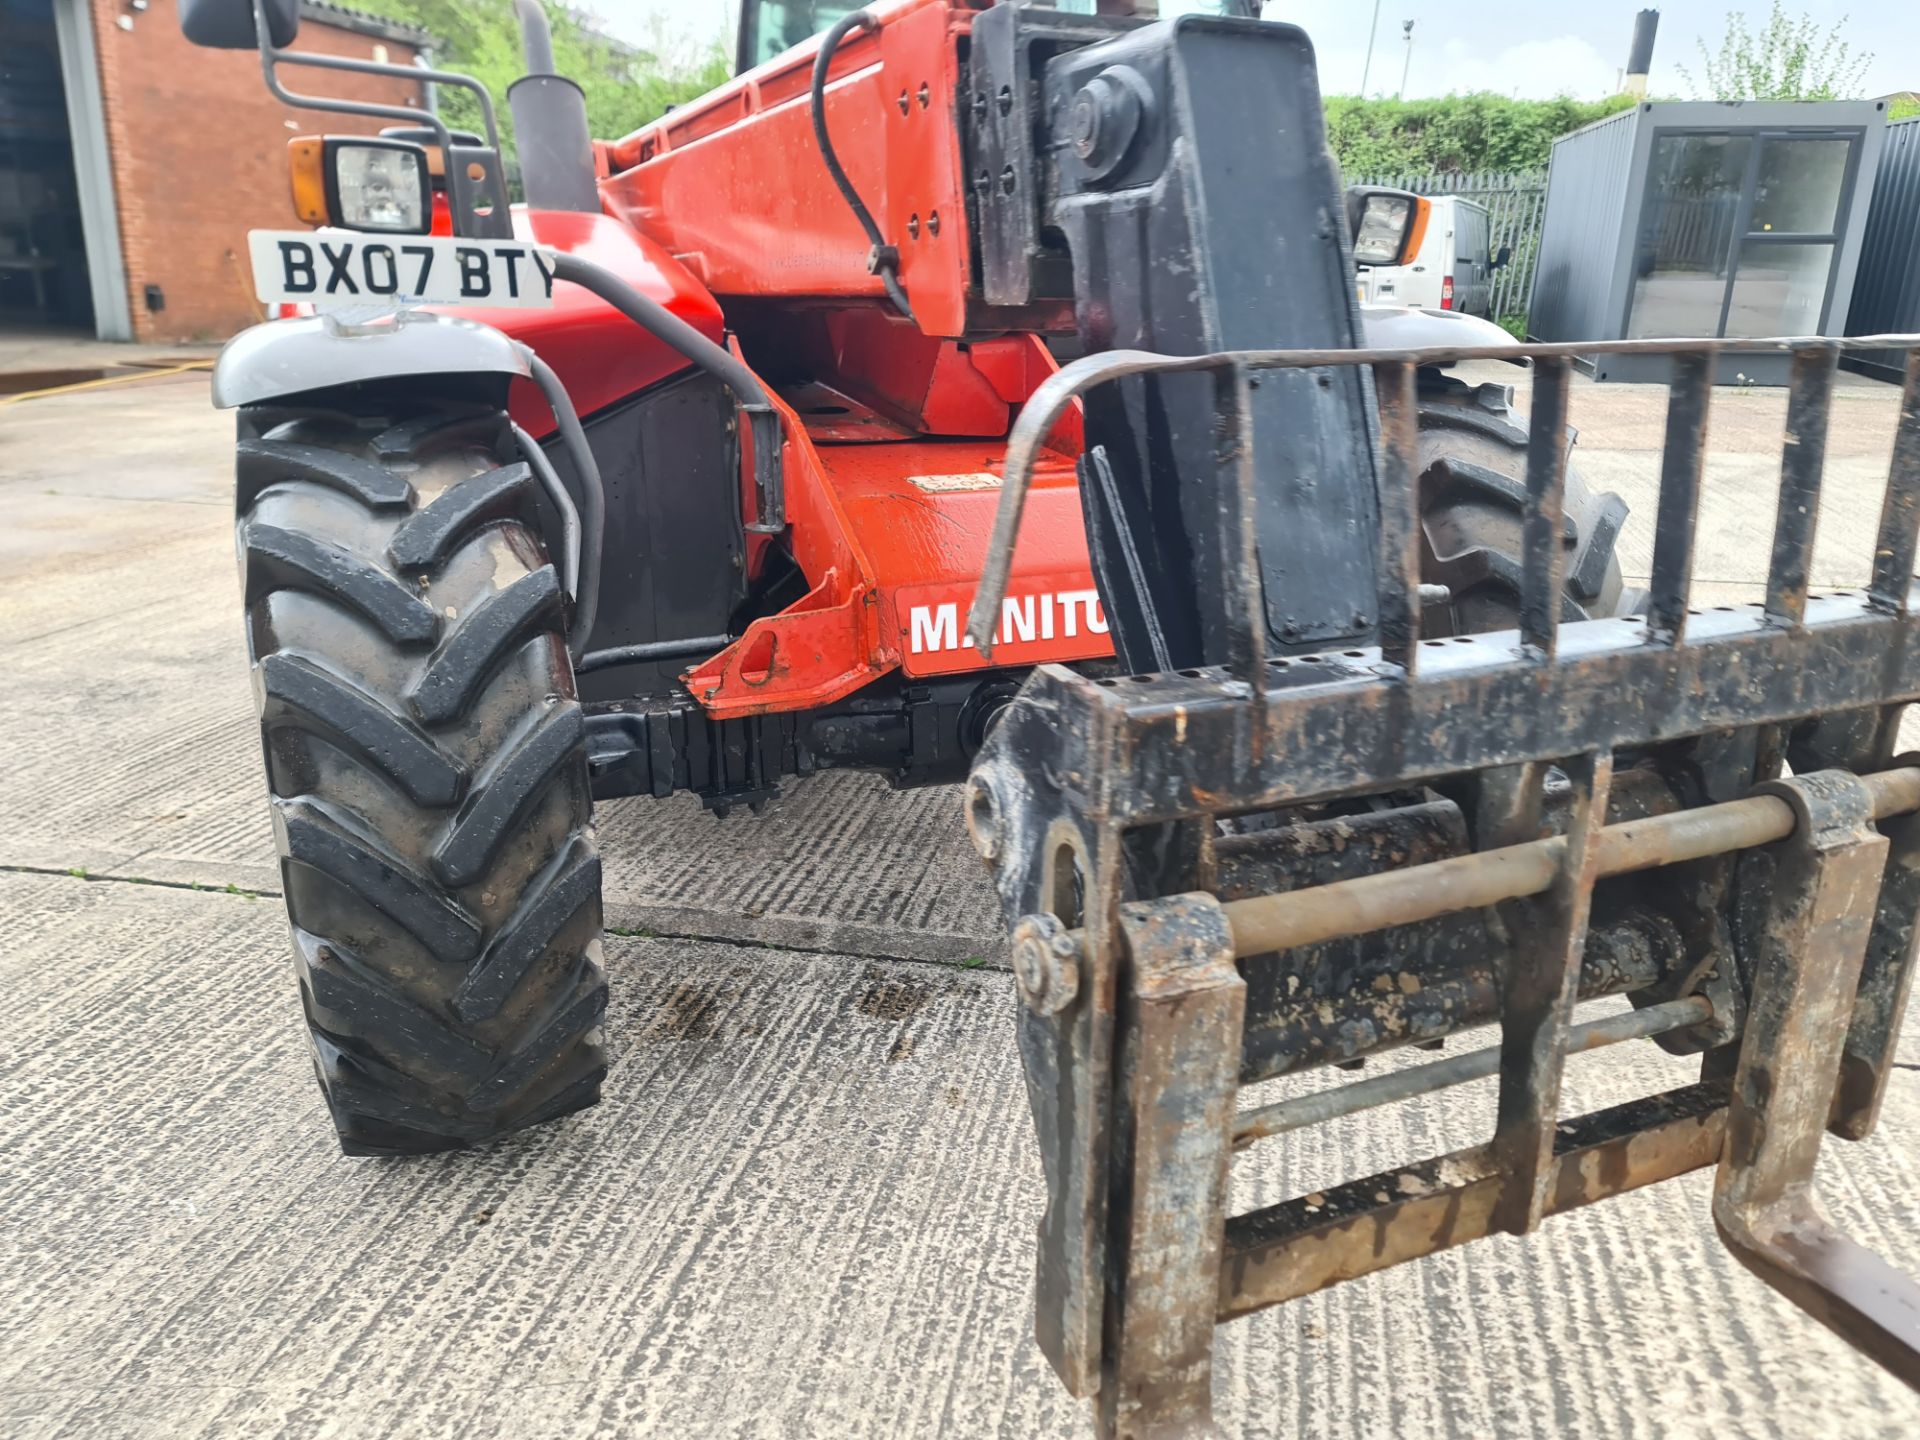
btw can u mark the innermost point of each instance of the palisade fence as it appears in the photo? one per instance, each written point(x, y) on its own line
point(1516, 203)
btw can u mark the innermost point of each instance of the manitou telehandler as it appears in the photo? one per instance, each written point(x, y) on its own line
point(1288, 674)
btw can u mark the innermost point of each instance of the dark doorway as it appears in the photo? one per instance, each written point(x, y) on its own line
point(43, 259)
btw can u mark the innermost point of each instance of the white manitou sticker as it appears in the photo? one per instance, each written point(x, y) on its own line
point(344, 269)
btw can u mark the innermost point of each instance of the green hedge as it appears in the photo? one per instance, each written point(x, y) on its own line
point(1459, 132)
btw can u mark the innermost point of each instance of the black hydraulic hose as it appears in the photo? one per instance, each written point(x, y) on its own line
point(764, 422)
point(550, 482)
point(698, 648)
point(653, 317)
point(593, 499)
point(883, 259)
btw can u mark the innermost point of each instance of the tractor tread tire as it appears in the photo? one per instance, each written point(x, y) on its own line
point(426, 758)
point(1473, 491)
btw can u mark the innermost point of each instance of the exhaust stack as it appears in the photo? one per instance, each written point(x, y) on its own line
point(550, 124)
point(1640, 57)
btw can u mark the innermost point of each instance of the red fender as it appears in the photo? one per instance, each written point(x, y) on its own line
point(599, 354)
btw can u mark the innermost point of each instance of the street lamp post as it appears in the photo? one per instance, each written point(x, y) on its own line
point(1373, 30)
point(1406, 29)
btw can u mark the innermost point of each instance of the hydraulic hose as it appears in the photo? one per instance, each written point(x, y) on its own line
point(763, 421)
point(882, 259)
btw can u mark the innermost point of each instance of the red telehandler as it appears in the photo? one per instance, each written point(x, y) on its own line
point(981, 393)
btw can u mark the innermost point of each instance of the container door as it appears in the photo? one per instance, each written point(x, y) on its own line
point(1738, 233)
point(1783, 269)
point(1688, 220)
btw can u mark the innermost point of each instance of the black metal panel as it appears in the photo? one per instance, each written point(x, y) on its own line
point(1204, 213)
point(1886, 288)
point(1003, 131)
point(674, 563)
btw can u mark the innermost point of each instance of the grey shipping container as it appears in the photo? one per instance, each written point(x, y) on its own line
point(1886, 290)
point(1705, 218)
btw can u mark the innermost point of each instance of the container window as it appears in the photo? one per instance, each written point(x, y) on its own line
point(1798, 187)
point(1686, 234)
point(1779, 289)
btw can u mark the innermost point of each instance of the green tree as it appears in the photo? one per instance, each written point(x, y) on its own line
point(625, 88)
point(1789, 59)
point(1453, 133)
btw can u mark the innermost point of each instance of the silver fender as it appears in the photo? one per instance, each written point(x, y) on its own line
point(1400, 327)
point(290, 357)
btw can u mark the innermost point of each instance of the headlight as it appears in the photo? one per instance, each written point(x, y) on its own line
point(1386, 225)
point(361, 184)
point(379, 185)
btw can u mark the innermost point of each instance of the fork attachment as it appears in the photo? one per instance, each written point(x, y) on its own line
point(1697, 808)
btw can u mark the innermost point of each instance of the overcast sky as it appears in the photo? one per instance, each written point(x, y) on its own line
point(1527, 48)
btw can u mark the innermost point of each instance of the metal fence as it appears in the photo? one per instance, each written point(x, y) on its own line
point(1516, 203)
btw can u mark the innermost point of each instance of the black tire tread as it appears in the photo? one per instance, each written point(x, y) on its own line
point(418, 715)
point(278, 559)
point(260, 463)
point(295, 690)
point(524, 938)
point(480, 643)
point(1473, 502)
point(380, 878)
point(505, 793)
point(427, 536)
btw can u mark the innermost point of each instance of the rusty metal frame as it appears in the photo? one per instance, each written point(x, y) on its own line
point(1126, 777)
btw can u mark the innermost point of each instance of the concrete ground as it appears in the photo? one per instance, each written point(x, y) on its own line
point(805, 1206)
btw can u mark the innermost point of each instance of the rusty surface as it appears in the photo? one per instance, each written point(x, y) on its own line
point(1182, 1010)
point(1886, 976)
point(1401, 897)
point(1307, 1244)
point(1802, 459)
point(1400, 606)
point(1807, 954)
point(1540, 974)
point(1052, 399)
point(1267, 1121)
point(1542, 555)
point(1417, 847)
point(1295, 1027)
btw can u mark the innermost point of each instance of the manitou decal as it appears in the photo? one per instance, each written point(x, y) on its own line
point(1034, 628)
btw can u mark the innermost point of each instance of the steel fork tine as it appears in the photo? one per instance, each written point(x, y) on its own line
point(1680, 463)
point(1543, 555)
point(1809, 402)
point(1893, 552)
point(1399, 515)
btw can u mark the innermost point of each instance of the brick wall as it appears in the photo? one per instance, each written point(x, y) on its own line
point(199, 153)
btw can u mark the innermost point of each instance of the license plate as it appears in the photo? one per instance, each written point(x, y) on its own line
point(338, 269)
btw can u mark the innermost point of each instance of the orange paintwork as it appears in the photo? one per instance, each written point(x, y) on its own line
point(733, 185)
point(889, 508)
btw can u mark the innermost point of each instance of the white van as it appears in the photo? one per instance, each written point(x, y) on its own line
point(1454, 269)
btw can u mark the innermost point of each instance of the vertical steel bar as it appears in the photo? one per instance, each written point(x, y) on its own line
point(1820, 900)
point(1182, 1011)
point(1543, 553)
point(1886, 976)
point(1399, 515)
point(1893, 553)
point(1238, 540)
point(1678, 513)
point(1540, 983)
point(1809, 402)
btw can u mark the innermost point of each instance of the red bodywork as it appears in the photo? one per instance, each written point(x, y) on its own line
point(724, 212)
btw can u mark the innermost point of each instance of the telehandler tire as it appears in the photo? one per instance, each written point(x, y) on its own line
point(1473, 491)
point(426, 759)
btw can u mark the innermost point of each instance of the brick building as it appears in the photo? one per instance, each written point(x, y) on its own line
point(132, 164)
